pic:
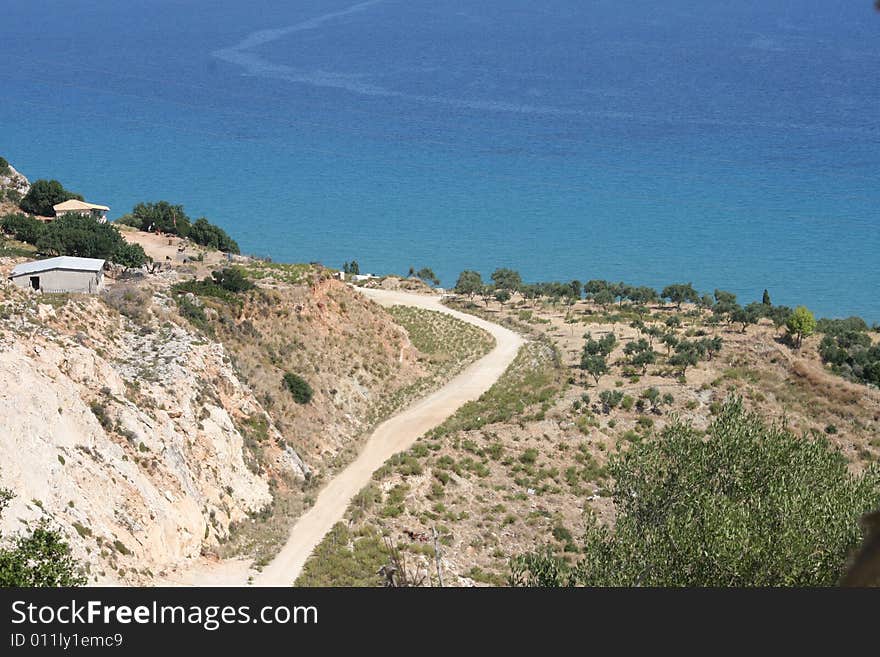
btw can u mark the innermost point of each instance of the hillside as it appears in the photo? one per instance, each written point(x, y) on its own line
point(151, 441)
point(519, 469)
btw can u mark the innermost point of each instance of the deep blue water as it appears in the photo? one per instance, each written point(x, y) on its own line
point(732, 144)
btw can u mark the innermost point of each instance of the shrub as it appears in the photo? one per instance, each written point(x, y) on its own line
point(43, 195)
point(4, 166)
point(687, 506)
point(207, 234)
point(172, 219)
point(75, 235)
point(232, 279)
point(298, 387)
point(129, 255)
point(23, 228)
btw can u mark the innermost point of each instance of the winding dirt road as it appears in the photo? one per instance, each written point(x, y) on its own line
point(392, 436)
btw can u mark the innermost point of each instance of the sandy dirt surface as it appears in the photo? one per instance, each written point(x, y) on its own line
point(394, 435)
point(171, 251)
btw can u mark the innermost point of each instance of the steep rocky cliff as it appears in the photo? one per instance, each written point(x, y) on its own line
point(144, 441)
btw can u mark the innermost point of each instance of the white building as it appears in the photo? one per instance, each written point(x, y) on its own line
point(97, 212)
point(62, 274)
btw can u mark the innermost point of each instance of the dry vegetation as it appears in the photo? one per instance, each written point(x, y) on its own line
point(519, 468)
point(362, 364)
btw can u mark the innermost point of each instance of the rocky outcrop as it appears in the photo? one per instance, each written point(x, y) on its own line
point(125, 435)
point(10, 179)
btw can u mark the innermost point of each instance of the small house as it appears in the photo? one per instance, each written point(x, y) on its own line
point(73, 206)
point(62, 274)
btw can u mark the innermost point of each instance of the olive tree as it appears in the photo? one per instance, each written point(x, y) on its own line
point(747, 504)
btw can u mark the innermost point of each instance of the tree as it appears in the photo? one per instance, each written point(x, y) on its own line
point(427, 275)
point(40, 558)
point(23, 228)
point(207, 234)
point(469, 282)
point(748, 504)
point(81, 236)
point(487, 293)
point(779, 315)
point(642, 296)
point(751, 314)
point(352, 268)
point(687, 354)
point(679, 293)
point(670, 340)
point(129, 255)
point(507, 279)
point(298, 387)
point(43, 195)
point(600, 292)
point(595, 365)
point(601, 347)
point(161, 216)
point(766, 298)
point(640, 353)
point(801, 324)
point(725, 304)
point(502, 296)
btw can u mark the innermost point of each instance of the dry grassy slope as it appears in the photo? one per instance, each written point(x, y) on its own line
point(351, 352)
point(496, 486)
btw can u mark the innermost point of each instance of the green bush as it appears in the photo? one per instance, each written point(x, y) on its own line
point(172, 219)
point(298, 387)
point(43, 195)
point(848, 349)
point(4, 166)
point(82, 236)
point(38, 558)
point(232, 279)
point(752, 505)
point(75, 235)
point(207, 234)
point(23, 228)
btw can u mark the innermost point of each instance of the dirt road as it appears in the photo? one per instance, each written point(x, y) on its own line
point(394, 435)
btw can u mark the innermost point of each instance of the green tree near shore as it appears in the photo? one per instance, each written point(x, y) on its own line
point(469, 283)
point(507, 279)
point(679, 293)
point(165, 217)
point(800, 324)
point(75, 235)
point(746, 504)
point(43, 195)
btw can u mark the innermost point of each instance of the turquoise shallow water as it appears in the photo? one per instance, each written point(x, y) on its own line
point(732, 146)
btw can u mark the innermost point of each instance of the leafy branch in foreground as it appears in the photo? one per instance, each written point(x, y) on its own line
point(751, 505)
point(41, 558)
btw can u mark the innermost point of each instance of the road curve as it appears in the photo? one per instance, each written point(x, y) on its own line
point(392, 436)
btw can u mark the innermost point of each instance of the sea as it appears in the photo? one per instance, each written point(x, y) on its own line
point(734, 145)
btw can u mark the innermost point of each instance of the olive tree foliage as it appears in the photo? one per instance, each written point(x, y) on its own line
point(507, 279)
point(752, 505)
point(40, 557)
point(800, 324)
point(679, 293)
point(43, 195)
point(469, 283)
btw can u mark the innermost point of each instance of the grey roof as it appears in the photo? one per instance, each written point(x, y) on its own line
point(62, 262)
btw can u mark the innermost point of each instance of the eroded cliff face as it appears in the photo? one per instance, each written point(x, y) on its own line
point(137, 437)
